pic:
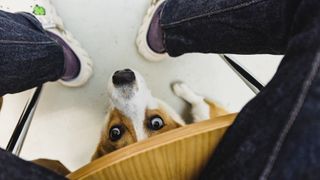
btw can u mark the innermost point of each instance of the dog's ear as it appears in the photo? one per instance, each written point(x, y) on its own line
point(159, 116)
point(115, 119)
point(103, 148)
point(215, 109)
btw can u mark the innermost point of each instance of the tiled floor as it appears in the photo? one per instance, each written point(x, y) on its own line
point(68, 121)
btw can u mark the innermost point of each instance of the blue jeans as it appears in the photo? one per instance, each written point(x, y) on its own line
point(277, 134)
point(28, 56)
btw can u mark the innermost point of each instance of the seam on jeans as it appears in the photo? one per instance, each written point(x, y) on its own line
point(34, 21)
point(25, 42)
point(293, 116)
point(215, 12)
point(31, 20)
point(14, 22)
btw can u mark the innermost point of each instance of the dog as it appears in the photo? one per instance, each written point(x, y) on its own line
point(135, 115)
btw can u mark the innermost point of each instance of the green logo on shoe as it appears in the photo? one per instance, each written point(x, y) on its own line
point(39, 10)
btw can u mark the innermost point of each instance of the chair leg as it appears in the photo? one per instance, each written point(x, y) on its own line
point(20, 132)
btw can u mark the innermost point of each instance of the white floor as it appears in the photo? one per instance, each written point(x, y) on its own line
point(68, 121)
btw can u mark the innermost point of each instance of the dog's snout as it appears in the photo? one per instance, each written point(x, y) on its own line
point(123, 77)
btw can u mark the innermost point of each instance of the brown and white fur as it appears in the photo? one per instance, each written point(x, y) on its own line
point(136, 115)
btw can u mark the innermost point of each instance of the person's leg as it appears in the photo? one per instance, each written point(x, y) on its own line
point(29, 57)
point(32, 55)
point(14, 168)
point(35, 35)
point(217, 26)
point(276, 135)
point(227, 26)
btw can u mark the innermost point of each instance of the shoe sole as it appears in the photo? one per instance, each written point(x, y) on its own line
point(86, 64)
point(141, 41)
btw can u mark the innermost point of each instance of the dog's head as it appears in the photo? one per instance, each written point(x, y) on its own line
point(135, 114)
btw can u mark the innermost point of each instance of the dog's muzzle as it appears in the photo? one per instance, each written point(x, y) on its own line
point(123, 77)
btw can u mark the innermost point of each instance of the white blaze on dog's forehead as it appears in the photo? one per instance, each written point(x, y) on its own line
point(134, 107)
point(152, 103)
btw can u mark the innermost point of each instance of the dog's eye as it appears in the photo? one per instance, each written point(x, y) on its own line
point(115, 133)
point(156, 123)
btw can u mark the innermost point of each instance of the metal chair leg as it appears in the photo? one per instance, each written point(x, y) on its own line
point(244, 75)
point(17, 139)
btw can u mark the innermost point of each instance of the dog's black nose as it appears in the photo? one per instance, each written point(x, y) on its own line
point(123, 77)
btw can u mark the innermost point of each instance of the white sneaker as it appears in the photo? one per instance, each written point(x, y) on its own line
point(141, 41)
point(45, 12)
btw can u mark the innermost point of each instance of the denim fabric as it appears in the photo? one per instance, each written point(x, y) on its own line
point(13, 168)
point(276, 135)
point(28, 56)
point(228, 26)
